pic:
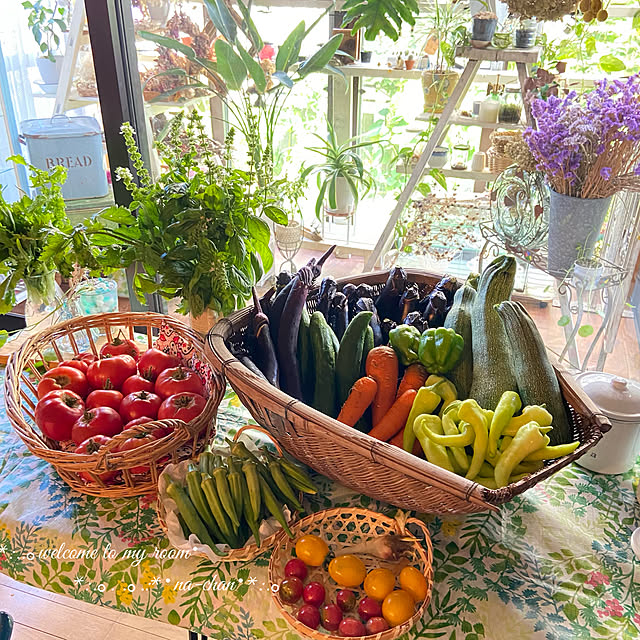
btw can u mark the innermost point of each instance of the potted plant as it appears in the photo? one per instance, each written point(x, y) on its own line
point(48, 24)
point(484, 26)
point(342, 178)
point(588, 271)
point(526, 33)
point(588, 147)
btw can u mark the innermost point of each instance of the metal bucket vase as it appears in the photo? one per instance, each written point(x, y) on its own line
point(574, 227)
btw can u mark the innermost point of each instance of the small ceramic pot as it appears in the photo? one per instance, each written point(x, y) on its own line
point(483, 29)
point(365, 57)
point(439, 158)
point(408, 64)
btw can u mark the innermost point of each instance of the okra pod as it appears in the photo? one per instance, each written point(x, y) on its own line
point(282, 484)
point(205, 462)
point(194, 489)
point(296, 473)
point(188, 512)
point(272, 505)
point(235, 485)
point(224, 493)
point(252, 477)
point(209, 489)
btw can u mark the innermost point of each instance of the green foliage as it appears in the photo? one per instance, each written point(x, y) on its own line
point(47, 25)
point(380, 16)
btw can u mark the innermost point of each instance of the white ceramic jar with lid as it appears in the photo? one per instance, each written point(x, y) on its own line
point(619, 400)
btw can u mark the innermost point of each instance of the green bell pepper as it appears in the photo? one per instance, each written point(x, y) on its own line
point(405, 340)
point(440, 349)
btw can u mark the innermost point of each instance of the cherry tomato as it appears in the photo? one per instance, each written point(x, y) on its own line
point(120, 346)
point(153, 362)
point(182, 406)
point(136, 383)
point(134, 443)
point(89, 446)
point(57, 412)
point(140, 404)
point(110, 373)
point(81, 361)
point(68, 378)
point(101, 421)
point(104, 398)
point(178, 380)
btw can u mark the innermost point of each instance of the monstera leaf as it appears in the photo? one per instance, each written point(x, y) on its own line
point(375, 16)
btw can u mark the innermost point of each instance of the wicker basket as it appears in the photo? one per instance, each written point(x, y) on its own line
point(375, 468)
point(496, 162)
point(352, 526)
point(186, 440)
point(250, 551)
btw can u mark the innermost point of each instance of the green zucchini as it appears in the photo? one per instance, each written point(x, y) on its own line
point(349, 356)
point(492, 369)
point(537, 380)
point(459, 319)
point(368, 345)
point(305, 358)
point(324, 357)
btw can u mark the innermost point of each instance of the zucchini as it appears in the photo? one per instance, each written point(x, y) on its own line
point(537, 381)
point(492, 372)
point(459, 319)
point(305, 358)
point(324, 357)
point(349, 356)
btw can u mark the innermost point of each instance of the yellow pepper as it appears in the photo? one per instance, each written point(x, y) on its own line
point(528, 439)
point(551, 453)
point(532, 412)
point(434, 453)
point(471, 412)
point(426, 401)
point(508, 405)
point(451, 429)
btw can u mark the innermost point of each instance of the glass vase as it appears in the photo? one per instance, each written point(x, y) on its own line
point(44, 300)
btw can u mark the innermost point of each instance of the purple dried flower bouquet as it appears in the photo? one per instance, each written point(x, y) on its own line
point(589, 146)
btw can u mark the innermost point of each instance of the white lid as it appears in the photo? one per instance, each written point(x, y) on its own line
point(618, 397)
point(60, 126)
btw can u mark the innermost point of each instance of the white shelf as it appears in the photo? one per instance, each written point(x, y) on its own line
point(480, 176)
point(472, 122)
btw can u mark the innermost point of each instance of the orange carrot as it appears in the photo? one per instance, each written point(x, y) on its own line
point(360, 397)
point(414, 377)
point(395, 418)
point(396, 441)
point(382, 366)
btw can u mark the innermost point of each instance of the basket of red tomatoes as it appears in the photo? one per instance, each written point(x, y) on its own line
point(109, 400)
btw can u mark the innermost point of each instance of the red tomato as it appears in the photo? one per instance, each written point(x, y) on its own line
point(136, 383)
point(57, 412)
point(157, 433)
point(101, 421)
point(68, 378)
point(137, 421)
point(153, 362)
point(104, 398)
point(91, 445)
point(120, 346)
point(110, 373)
point(134, 443)
point(139, 405)
point(178, 380)
point(182, 406)
point(81, 361)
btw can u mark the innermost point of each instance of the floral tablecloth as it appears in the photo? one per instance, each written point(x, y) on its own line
point(554, 563)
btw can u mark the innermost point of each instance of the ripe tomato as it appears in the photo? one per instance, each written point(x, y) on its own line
point(104, 398)
point(178, 380)
point(139, 405)
point(157, 433)
point(120, 346)
point(136, 383)
point(89, 446)
point(101, 421)
point(110, 373)
point(182, 406)
point(80, 361)
point(153, 362)
point(134, 443)
point(68, 378)
point(57, 412)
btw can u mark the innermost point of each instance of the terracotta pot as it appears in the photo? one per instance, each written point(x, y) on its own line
point(408, 64)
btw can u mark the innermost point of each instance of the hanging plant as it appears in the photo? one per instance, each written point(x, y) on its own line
point(542, 9)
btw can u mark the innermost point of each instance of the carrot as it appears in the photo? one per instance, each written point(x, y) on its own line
point(360, 397)
point(414, 377)
point(396, 441)
point(395, 418)
point(382, 366)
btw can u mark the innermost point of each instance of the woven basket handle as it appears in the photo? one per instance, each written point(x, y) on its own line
point(255, 427)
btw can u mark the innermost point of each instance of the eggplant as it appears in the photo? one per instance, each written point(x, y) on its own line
point(408, 301)
point(367, 304)
point(328, 289)
point(267, 300)
point(339, 314)
point(436, 310)
point(350, 290)
point(386, 326)
point(265, 352)
point(415, 319)
point(387, 302)
point(288, 329)
point(316, 265)
point(282, 280)
point(448, 285)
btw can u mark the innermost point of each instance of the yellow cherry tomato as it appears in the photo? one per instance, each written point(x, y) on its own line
point(398, 607)
point(414, 582)
point(347, 571)
point(379, 584)
point(312, 550)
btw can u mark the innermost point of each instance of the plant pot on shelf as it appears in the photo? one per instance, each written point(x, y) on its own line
point(574, 227)
point(437, 87)
point(50, 69)
point(588, 272)
point(365, 57)
point(409, 64)
point(159, 10)
point(526, 34)
point(345, 204)
point(482, 31)
point(439, 158)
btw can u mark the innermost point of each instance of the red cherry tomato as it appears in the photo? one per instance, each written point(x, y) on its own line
point(136, 383)
point(134, 443)
point(140, 404)
point(104, 398)
point(57, 412)
point(178, 380)
point(101, 421)
point(182, 406)
point(89, 446)
point(110, 373)
point(68, 378)
point(120, 346)
point(81, 361)
point(153, 362)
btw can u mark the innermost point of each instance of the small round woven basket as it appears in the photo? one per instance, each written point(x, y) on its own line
point(250, 551)
point(136, 470)
point(341, 528)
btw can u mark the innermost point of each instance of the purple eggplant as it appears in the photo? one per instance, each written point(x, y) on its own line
point(448, 285)
point(328, 289)
point(415, 319)
point(350, 290)
point(282, 280)
point(408, 301)
point(265, 352)
point(388, 301)
point(386, 326)
point(436, 310)
point(338, 314)
point(367, 304)
point(316, 265)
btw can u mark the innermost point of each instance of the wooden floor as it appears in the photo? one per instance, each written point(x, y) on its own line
point(40, 615)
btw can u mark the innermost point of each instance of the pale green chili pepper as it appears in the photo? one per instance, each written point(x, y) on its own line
point(451, 429)
point(528, 439)
point(508, 405)
point(471, 412)
point(551, 453)
point(531, 412)
point(434, 453)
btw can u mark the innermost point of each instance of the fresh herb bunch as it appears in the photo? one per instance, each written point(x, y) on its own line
point(198, 232)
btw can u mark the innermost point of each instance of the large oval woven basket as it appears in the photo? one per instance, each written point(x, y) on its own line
point(378, 469)
point(137, 469)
